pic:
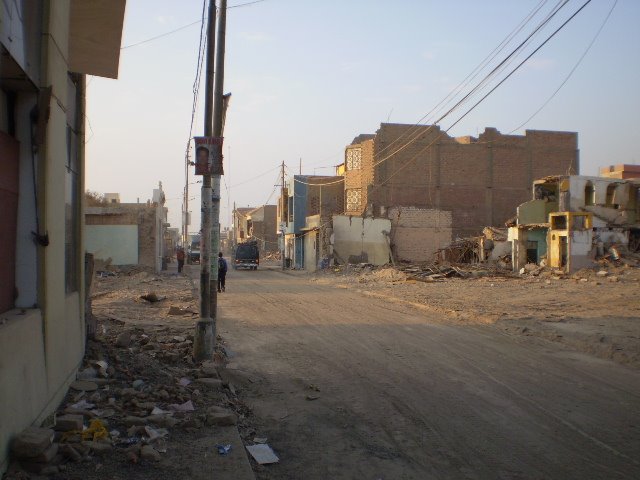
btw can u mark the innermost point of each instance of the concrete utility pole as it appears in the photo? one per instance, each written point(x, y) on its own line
point(205, 336)
point(283, 219)
point(219, 105)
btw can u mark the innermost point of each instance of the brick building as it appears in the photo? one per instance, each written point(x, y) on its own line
point(259, 224)
point(436, 188)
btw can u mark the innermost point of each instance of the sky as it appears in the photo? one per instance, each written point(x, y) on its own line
point(307, 76)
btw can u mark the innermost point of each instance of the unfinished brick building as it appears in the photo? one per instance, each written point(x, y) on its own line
point(435, 188)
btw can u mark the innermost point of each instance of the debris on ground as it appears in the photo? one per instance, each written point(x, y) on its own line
point(224, 449)
point(263, 454)
point(138, 394)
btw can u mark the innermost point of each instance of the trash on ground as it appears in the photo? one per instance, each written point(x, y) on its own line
point(223, 449)
point(263, 454)
point(183, 407)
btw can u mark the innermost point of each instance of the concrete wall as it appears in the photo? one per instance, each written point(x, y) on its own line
point(417, 233)
point(117, 242)
point(147, 218)
point(354, 235)
point(311, 256)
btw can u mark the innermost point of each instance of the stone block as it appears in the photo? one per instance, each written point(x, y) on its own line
point(69, 422)
point(31, 442)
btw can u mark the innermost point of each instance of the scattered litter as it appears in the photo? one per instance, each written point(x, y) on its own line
point(155, 433)
point(313, 397)
point(184, 382)
point(259, 439)
point(82, 405)
point(128, 441)
point(96, 431)
point(159, 411)
point(160, 445)
point(314, 387)
point(263, 454)
point(183, 407)
point(223, 449)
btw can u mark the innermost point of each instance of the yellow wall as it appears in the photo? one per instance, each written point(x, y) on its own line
point(40, 350)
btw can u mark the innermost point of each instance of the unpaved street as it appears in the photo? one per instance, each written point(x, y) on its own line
point(348, 386)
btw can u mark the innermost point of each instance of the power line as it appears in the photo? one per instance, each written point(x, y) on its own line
point(409, 161)
point(482, 82)
point(464, 82)
point(171, 32)
point(575, 67)
point(194, 108)
point(506, 61)
point(520, 64)
point(473, 74)
point(254, 178)
point(245, 4)
point(161, 35)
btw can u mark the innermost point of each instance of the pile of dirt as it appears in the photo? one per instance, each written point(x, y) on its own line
point(390, 275)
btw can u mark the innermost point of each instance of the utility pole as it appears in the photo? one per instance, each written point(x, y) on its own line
point(283, 211)
point(219, 105)
point(205, 336)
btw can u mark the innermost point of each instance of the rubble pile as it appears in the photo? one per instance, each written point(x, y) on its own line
point(461, 250)
point(137, 388)
point(273, 256)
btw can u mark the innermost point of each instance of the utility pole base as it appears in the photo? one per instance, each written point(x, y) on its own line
point(204, 340)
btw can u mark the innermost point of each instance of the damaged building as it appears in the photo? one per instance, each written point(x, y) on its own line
point(128, 233)
point(434, 189)
point(572, 220)
point(258, 224)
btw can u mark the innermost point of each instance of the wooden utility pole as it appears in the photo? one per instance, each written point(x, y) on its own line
point(205, 336)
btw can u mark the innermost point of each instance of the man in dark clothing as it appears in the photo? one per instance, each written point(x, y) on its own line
point(222, 272)
point(180, 258)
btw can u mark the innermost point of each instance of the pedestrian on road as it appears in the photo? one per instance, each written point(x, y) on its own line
point(180, 257)
point(222, 272)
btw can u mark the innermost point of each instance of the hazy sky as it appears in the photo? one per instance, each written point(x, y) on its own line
point(307, 76)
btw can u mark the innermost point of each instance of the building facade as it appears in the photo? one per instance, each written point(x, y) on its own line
point(47, 48)
point(307, 196)
point(436, 188)
point(573, 219)
point(129, 233)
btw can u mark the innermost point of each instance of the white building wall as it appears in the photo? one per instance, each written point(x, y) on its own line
point(354, 235)
point(117, 242)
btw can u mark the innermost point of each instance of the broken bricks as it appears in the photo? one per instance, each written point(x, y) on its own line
point(32, 442)
point(69, 422)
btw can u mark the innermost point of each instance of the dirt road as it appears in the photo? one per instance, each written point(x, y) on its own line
point(348, 386)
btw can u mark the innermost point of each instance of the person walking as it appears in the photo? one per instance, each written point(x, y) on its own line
point(180, 258)
point(222, 272)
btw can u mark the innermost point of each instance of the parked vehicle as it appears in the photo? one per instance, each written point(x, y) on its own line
point(193, 253)
point(247, 255)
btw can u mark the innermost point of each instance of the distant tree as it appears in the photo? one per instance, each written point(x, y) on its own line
point(94, 199)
